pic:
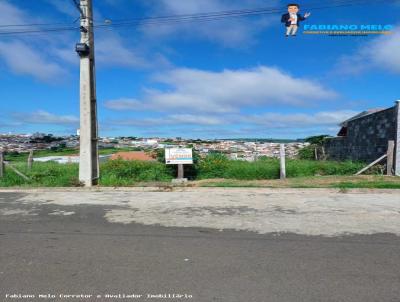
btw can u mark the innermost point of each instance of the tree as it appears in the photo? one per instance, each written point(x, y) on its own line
point(317, 140)
point(308, 153)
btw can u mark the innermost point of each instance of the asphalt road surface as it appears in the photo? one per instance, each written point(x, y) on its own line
point(76, 246)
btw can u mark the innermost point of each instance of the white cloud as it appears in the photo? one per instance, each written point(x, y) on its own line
point(382, 53)
point(25, 55)
point(192, 90)
point(174, 119)
point(12, 15)
point(231, 32)
point(301, 120)
point(22, 59)
point(111, 51)
point(223, 125)
point(65, 7)
point(44, 117)
point(275, 120)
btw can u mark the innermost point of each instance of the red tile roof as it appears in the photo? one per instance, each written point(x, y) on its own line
point(134, 155)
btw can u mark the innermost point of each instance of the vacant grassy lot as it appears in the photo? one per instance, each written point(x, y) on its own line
point(214, 171)
point(220, 167)
point(340, 182)
point(23, 157)
point(113, 173)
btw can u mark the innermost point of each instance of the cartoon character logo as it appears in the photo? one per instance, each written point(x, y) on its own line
point(292, 19)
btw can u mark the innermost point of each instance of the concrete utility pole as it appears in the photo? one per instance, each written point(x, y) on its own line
point(89, 159)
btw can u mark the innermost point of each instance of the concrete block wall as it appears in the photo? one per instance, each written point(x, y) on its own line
point(367, 137)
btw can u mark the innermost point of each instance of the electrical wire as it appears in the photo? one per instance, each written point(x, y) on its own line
point(184, 18)
point(218, 16)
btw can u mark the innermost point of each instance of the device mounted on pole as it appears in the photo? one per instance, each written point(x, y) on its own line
point(89, 159)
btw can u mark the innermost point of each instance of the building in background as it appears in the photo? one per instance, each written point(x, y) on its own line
point(134, 155)
point(365, 136)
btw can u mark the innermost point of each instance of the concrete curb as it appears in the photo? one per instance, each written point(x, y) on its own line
point(203, 189)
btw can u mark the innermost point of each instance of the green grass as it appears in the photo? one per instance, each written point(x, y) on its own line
point(368, 185)
point(42, 175)
point(113, 173)
point(127, 173)
point(301, 173)
point(337, 182)
point(23, 157)
point(220, 167)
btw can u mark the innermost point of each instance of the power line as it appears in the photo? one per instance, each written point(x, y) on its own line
point(239, 11)
point(78, 7)
point(74, 3)
point(199, 17)
point(209, 14)
point(219, 15)
point(35, 24)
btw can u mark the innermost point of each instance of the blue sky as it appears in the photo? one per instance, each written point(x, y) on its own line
point(223, 79)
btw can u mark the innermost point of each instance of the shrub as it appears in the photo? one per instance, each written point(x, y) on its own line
point(213, 166)
point(120, 172)
point(218, 166)
point(49, 174)
point(307, 153)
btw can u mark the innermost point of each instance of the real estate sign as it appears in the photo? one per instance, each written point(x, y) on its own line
point(175, 156)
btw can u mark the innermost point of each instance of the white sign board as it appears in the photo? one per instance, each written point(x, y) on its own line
point(174, 156)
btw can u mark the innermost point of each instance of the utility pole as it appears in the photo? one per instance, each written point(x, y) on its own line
point(89, 158)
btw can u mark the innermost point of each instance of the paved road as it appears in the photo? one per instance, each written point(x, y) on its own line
point(68, 243)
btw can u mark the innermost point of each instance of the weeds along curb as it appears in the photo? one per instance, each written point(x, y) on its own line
point(202, 189)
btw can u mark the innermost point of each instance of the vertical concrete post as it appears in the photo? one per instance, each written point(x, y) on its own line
point(283, 161)
point(180, 171)
point(397, 140)
point(390, 157)
point(1, 164)
point(30, 160)
point(89, 160)
point(316, 153)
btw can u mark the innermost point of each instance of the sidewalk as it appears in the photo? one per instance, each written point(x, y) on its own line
point(305, 211)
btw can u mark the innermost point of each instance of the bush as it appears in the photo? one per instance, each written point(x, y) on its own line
point(213, 166)
point(218, 166)
point(307, 153)
point(120, 172)
point(262, 169)
point(304, 168)
point(49, 174)
point(127, 173)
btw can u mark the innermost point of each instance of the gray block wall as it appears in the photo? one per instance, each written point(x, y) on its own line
point(367, 137)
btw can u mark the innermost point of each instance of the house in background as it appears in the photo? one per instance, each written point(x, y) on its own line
point(134, 155)
point(365, 136)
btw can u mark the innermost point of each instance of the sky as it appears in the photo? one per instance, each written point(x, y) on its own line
point(231, 78)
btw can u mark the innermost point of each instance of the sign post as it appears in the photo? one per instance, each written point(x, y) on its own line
point(181, 172)
point(180, 157)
